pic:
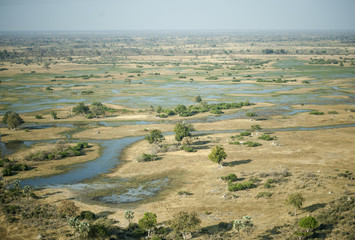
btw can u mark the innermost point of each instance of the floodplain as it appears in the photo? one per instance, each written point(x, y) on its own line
point(281, 105)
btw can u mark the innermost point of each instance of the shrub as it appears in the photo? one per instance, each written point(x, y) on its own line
point(2, 161)
point(6, 172)
point(39, 116)
point(308, 223)
point(235, 187)
point(184, 193)
point(266, 137)
point(240, 186)
point(248, 184)
point(263, 195)
point(333, 112)
point(270, 180)
point(19, 167)
point(11, 209)
point(87, 215)
point(252, 144)
point(230, 178)
point(267, 185)
point(188, 149)
point(246, 133)
point(316, 112)
point(147, 157)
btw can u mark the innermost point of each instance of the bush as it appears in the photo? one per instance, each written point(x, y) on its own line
point(11, 209)
point(188, 149)
point(19, 167)
point(39, 116)
point(240, 186)
point(270, 180)
point(2, 161)
point(244, 134)
point(263, 195)
point(266, 137)
point(184, 193)
point(252, 144)
point(216, 111)
point(267, 185)
point(87, 215)
point(230, 178)
point(147, 157)
point(316, 112)
point(6, 172)
point(235, 187)
point(333, 112)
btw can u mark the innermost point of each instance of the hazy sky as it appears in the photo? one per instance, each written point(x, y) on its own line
point(29, 15)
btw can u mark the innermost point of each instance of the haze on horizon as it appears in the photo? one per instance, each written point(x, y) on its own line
point(111, 15)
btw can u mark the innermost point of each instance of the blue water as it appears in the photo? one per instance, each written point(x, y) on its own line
point(108, 160)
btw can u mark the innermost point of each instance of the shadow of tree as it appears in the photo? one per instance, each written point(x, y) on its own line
point(235, 163)
point(268, 234)
point(314, 207)
point(201, 144)
point(50, 194)
point(220, 228)
point(104, 214)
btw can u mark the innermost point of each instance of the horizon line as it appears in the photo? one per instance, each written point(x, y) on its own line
point(185, 30)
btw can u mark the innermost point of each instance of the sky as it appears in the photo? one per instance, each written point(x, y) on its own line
point(107, 15)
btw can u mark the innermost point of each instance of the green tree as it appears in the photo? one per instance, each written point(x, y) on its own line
point(81, 108)
point(155, 136)
point(256, 127)
point(185, 223)
point(129, 215)
point(309, 223)
point(12, 119)
point(182, 130)
point(180, 109)
point(97, 109)
point(251, 114)
point(244, 224)
point(296, 200)
point(54, 115)
point(148, 222)
point(159, 109)
point(217, 155)
point(198, 99)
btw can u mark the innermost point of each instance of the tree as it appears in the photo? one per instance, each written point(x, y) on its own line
point(198, 99)
point(180, 109)
point(245, 224)
point(185, 223)
point(97, 109)
point(12, 119)
point(81, 108)
point(296, 200)
point(155, 136)
point(148, 222)
point(159, 109)
point(129, 215)
point(251, 115)
point(256, 127)
point(217, 155)
point(308, 223)
point(182, 130)
point(54, 115)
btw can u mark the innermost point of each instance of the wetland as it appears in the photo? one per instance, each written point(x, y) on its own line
point(110, 91)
